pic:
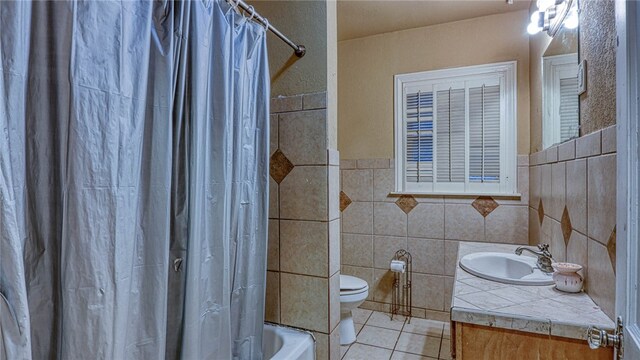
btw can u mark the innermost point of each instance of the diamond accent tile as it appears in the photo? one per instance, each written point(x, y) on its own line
point(611, 249)
point(485, 205)
point(540, 212)
point(565, 224)
point(406, 203)
point(279, 166)
point(345, 201)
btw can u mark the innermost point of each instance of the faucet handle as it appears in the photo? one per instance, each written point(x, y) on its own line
point(543, 247)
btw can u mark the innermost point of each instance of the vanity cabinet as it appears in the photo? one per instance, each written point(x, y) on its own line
point(477, 342)
point(503, 321)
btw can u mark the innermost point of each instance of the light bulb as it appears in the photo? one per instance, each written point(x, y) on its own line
point(535, 17)
point(543, 5)
point(533, 29)
point(571, 22)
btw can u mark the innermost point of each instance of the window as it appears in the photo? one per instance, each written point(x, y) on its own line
point(560, 104)
point(456, 130)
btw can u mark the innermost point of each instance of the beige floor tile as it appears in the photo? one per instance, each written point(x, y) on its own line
point(371, 335)
point(418, 344)
point(445, 349)
point(366, 352)
point(380, 319)
point(360, 316)
point(358, 328)
point(399, 355)
point(424, 327)
point(343, 350)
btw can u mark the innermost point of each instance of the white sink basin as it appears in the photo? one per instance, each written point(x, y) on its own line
point(505, 268)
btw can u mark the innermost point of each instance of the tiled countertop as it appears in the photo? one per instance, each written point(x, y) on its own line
point(535, 309)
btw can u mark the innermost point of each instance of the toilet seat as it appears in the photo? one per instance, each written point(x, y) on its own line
point(351, 285)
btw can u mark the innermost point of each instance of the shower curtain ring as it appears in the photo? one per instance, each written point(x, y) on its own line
point(266, 23)
point(253, 12)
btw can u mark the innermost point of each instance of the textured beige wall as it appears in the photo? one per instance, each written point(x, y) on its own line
point(366, 67)
point(304, 22)
point(598, 48)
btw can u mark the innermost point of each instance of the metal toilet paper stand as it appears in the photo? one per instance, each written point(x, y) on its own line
point(401, 294)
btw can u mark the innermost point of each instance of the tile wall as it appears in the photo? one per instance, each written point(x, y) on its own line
point(303, 269)
point(572, 207)
point(376, 225)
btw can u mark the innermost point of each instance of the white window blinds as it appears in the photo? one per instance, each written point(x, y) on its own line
point(450, 133)
point(569, 108)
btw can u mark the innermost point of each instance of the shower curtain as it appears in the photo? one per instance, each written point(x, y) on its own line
point(133, 180)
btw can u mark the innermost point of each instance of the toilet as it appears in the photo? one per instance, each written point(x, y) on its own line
point(353, 292)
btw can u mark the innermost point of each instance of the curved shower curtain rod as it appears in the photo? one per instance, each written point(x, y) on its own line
point(299, 50)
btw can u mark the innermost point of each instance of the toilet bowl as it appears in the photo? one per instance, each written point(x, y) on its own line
point(353, 292)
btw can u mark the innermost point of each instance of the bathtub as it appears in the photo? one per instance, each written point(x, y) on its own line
point(282, 343)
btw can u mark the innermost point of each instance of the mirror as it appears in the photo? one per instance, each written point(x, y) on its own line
point(560, 105)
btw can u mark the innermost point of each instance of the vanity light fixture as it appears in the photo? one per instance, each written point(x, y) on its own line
point(553, 15)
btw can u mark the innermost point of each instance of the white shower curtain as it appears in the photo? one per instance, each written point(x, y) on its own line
point(133, 180)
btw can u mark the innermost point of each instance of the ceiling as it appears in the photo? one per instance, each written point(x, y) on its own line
point(359, 18)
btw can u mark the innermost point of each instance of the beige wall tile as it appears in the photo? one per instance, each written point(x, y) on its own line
point(304, 302)
point(450, 257)
point(558, 191)
point(347, 164)
point(357, 218)
point(385, 247)
point(273, 133)
point(334, 301)
point(364, 273)
point(314, 101)
point(428, 291)
point(523, 160)
point(567, 151)
point(508, 224)
point(545, 186)
point(322, 345)
point(535, 182)
point(463, 222)
point(334, 192)
point(577, 251)
point(534, 227)
point(383, 184)
point(274, 207)
point(286, 103)
point(389, 219)
point(382, 286)
point(551, 154)
point(601, 283)
point(373, 164)
point(272, 298)
point(523, 184)
point(448, 292)
point(304, 247)
point(302, 137)
point(609, 139)
point(588, 145)
point(427, 255)
point(334, 344)
point(334, 246)
point(303, 194)
point(551, 233)
point(273, 252)
point(427, 220)
point(601, 201)
point(577, 194)
point(358, 184)
point(357, 250)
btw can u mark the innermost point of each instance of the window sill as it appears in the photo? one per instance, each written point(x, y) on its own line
point(500, 196)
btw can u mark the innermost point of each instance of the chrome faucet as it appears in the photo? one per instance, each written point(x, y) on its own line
point(544, 257)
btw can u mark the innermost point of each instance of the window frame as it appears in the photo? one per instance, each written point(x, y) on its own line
point(553, 67)
point(506, 72)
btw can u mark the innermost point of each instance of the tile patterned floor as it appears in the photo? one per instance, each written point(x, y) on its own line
point(379, 337)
